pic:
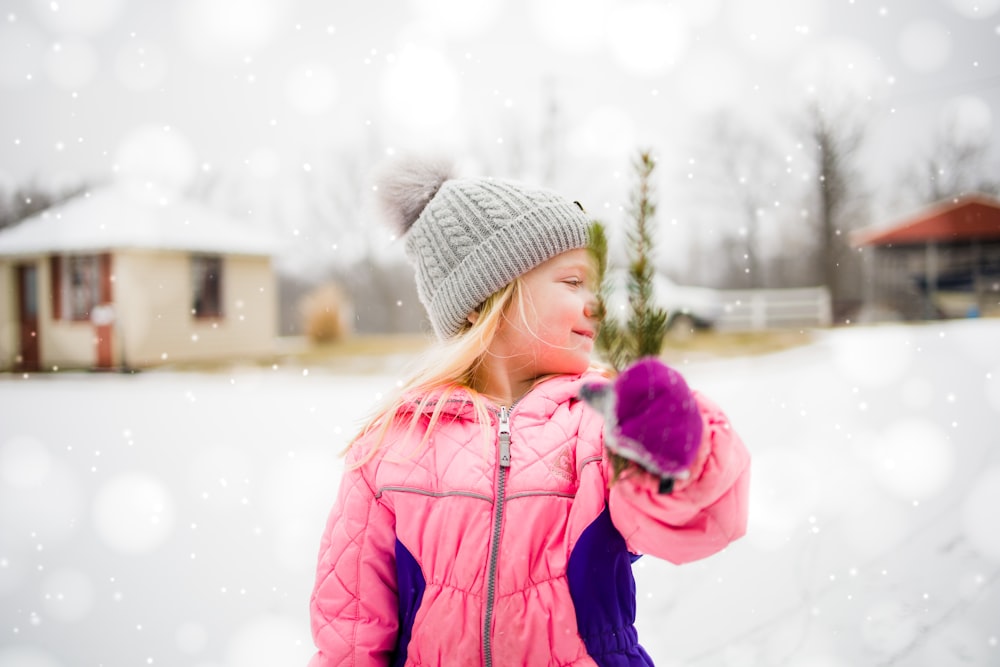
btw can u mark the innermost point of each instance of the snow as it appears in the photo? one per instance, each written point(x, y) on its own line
point(172, 518)
point(132, 214)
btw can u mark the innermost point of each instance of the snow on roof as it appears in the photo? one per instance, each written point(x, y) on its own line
point(132, 215)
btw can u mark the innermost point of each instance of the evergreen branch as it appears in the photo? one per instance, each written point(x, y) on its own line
point(611, 340)
point(647, 323)
point(644, 328)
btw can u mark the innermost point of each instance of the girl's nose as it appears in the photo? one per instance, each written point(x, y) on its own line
point(592, 308)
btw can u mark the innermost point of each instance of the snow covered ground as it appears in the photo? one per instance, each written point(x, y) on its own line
point(172, 519)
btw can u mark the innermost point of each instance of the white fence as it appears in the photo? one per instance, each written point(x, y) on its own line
point(753, 310)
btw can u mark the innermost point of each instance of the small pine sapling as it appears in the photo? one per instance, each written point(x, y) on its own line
point(644, 328)
point(638, 337)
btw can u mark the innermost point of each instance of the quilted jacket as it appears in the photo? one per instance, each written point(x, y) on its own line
point(514, 550)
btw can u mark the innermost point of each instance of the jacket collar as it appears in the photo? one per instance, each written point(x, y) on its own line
point(543, 399)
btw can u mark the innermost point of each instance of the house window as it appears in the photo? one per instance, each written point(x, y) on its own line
point(81, 285)
point(206, 280)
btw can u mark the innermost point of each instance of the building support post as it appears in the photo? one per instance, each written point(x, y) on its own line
point(931, 276)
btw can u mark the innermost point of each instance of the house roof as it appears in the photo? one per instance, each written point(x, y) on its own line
point(967, 218)
point(132, 215)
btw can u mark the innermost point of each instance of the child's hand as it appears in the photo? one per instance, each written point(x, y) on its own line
point(651, 419)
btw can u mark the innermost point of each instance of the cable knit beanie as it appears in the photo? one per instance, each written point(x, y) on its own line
point(469, 237)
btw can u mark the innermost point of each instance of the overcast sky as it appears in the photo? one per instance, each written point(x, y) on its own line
point(89, 88)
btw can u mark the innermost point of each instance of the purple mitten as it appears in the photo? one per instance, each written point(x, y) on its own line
point(651, 417)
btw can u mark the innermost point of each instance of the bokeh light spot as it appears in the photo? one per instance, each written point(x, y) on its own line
point(711, 81)
point(773, 28)
point(606, 132)
point(311, 88)
point(646, 38)
point(968, 121)
point(219, 475)
point(24, 461)
point(914, 459)
point(133, 513)
point(976, 9)
point(924, 45)
point(420, 89)
point(141, 66)
point(458, 17)
point(840, 71)
point(571, 26)
point(294, 513)
point(979, 513)
point(77, 17)
point(993, 388)
point(68, 595)
point(26, 656)
point(888, 627)
point(47, 485)
point(269, 640)
point(71, 64)
point(191, 638)
point(874, 356)
point(21, 49)
point(227, 30)
point(156, 153)
point(786, 490)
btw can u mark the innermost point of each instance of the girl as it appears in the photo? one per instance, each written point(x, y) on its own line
point(479, 521)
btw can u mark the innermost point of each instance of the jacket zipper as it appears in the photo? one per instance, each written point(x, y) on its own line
point(503, 432)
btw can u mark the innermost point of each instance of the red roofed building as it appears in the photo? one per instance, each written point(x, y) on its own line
point(941, 262)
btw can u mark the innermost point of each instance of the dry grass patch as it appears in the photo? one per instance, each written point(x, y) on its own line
point(716, 344)
point(372, 345)
point(357, 353)
point(378, 353)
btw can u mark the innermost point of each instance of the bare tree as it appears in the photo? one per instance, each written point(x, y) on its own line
point(316, 205)
point(751, 169)
point(955, 164)
point(839, 199)
point(740, 182)
point(26, 200)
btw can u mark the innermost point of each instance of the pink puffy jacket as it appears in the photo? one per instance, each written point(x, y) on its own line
point(453, 553)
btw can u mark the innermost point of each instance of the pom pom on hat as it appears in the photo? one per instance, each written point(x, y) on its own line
point(406, 185)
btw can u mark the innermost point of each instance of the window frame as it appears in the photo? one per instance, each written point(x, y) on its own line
point(207, 283)
point(77, 300)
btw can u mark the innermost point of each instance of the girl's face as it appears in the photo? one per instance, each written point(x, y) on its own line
point(554, 331)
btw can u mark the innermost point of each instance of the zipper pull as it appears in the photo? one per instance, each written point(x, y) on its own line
point(504, 437)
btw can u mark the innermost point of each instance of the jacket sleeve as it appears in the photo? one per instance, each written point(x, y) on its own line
point(705, 512)
point(353, 607)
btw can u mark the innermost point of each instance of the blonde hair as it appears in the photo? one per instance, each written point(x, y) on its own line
point(449, 367)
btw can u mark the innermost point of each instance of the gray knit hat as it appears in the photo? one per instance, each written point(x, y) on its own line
point(469, 237)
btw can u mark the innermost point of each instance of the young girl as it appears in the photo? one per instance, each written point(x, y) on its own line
point(479, 521)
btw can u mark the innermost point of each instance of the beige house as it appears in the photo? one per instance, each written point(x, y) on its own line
point(129, 276)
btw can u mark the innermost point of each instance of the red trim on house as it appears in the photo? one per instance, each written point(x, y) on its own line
point(104, 331)
point(970, 218)
point(27, 315)
point(55, 274)
point(105, 273)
